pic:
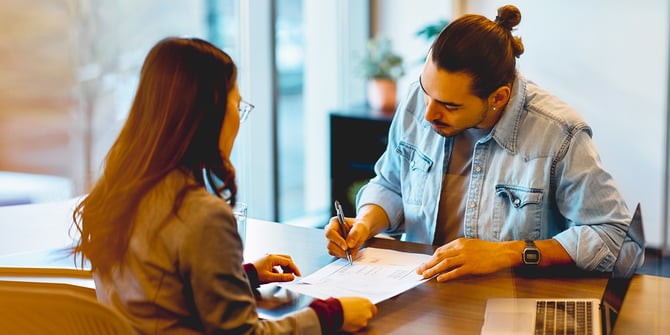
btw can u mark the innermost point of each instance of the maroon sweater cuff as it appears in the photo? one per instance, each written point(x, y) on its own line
point(330, 314)
point(252, 274)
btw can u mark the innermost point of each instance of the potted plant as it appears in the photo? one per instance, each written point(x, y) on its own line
point(382, 68)
point(431, 30)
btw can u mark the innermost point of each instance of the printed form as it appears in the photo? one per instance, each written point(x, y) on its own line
point(377, 274)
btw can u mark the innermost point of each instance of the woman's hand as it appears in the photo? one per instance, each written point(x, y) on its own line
point(276, 268)
point(357, 313)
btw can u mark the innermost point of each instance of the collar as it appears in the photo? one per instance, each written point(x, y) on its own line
point(506, 130)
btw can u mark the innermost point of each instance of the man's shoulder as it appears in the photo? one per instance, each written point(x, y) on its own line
point(410, 112)
point(548, 107)
point(538, 121)
point(409, 102)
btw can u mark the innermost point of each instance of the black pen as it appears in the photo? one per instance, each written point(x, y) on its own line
point(343, 230)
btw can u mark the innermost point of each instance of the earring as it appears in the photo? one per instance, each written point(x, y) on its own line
point(494, 109)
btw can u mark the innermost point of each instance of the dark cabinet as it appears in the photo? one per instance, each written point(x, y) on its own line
point(357, 139)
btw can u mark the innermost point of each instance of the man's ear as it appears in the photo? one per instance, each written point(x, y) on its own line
point(500, 97)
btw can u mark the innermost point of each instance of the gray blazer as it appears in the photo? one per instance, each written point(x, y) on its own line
point(184, 273)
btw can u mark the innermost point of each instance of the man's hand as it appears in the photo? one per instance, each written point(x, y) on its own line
point(357, 234)
point(466, 256)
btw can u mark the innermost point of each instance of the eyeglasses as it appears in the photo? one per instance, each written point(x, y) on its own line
point(244, 108)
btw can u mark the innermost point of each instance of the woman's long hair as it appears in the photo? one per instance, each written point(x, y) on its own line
point(174, 123)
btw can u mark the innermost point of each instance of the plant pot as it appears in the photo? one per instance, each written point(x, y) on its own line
point(382, 94)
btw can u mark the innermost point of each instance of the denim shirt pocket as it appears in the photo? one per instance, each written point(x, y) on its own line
point(518, 214)
point(415, 169)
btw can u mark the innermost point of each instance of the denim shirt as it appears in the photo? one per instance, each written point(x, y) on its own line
point(536, 175)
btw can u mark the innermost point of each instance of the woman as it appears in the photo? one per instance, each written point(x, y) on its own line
point(163, 250)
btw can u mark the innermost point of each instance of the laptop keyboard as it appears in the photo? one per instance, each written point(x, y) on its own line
point(563, 318)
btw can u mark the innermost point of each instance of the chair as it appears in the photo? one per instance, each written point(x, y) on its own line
point(56, 308)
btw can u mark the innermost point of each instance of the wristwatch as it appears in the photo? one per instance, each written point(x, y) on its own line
point(530, 254)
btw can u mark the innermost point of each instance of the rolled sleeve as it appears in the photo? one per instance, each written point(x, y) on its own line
point(587, 249)
point(391, 202)
point(594, 208)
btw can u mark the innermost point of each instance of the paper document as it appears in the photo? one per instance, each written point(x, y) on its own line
point(377, 274)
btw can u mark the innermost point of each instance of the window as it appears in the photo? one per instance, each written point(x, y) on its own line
point(294, 58)
point(289, 62)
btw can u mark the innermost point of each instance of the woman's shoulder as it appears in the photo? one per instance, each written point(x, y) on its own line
point(180, 193)
point(198, 204)
point(196, 217)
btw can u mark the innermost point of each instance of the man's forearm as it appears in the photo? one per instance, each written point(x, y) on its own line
point(552, 253)
point(374, 217)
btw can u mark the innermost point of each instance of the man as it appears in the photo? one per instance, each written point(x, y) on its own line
point(489, 166)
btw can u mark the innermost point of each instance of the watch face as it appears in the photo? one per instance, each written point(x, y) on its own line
point(531, 256)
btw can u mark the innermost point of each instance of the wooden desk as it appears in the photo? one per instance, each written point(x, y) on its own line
point(455, 307)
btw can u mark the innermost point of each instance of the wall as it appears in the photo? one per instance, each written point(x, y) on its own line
point(400, 20)
point(36, 97)
point(69, 74)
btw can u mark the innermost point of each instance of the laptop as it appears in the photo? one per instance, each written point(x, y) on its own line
point(562, 316)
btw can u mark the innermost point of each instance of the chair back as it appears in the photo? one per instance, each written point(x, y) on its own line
point(55, 308)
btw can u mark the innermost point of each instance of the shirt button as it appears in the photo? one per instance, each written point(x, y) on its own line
point(412, 164)
point(478, 168)
point(473, 204)
point(517, 202)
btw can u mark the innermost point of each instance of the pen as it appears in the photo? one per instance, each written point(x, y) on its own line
point(343, 230)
